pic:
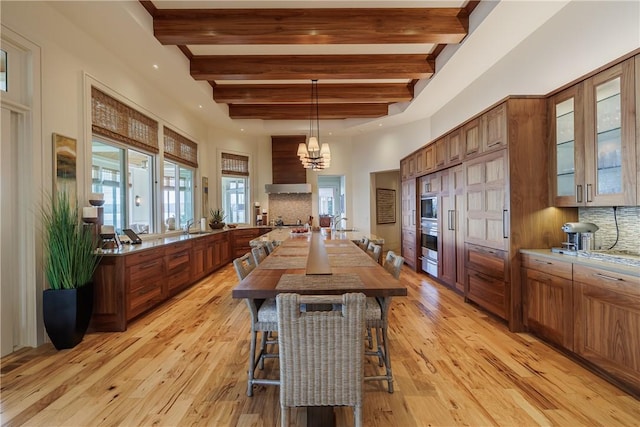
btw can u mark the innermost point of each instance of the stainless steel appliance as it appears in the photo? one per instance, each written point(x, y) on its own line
point(580, 237)
point(428, 208)
point(429, 246)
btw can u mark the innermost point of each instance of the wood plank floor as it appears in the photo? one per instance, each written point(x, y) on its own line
point(185, 364)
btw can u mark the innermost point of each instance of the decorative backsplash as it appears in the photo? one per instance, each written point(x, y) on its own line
point(291, 207)
point(628, 226)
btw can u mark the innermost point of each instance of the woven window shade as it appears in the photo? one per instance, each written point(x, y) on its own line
point(115, 120)
point(234, 164)
point(179, 148)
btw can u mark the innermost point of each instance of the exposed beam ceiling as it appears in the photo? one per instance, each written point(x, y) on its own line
point(364, 59)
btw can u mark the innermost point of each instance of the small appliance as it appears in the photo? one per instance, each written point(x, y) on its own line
point(580, 237)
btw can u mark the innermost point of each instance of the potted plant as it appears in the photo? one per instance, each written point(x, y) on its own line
point(217, 219)
point(69, 263)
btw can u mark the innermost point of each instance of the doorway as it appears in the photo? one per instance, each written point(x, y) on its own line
point(331, 198)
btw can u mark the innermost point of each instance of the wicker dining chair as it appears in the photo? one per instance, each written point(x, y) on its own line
point(377, 322)
point(393, 264)
point(264, 320)
point(374, 251)
point(364, 243)
point(321, 353)
point(259, 254)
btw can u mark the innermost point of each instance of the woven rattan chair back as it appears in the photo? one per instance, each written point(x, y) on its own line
point(244, 265)
point(393, 264)
point(259, 254)
point(310, 373)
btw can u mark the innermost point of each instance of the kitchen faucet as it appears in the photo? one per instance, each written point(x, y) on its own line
point(188, 226)
point(334, 222)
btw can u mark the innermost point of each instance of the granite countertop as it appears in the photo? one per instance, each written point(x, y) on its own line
point(281, 234)
point(150, 242)
point(595, 260)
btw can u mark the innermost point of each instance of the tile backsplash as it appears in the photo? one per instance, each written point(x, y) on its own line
point(291, 207)
point(628, 226)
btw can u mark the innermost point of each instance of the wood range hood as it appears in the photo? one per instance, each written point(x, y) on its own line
point(288, 174)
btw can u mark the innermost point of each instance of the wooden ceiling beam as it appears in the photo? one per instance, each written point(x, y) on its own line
point(303, 111)
point(310, 26)
point(307, 67)
point(301, 93)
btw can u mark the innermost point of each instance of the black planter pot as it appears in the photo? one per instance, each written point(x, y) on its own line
point(67, 313)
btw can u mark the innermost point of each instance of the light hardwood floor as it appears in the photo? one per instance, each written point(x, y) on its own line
point(185, 364)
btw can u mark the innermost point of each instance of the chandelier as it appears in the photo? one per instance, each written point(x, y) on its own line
point(313, 155)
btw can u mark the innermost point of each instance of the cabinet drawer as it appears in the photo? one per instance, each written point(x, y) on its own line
point(490, 262)
point(153, 269)
point(487, 291)
point(177, 247)
point(548, 265)
point(143, 257)
point(177, 261)
point(179, 279)
point(606, 279)
point(143, 299)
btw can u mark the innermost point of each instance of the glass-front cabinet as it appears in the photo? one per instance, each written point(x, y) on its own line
point(567, 133)
point(594, 140)
point(610, 155)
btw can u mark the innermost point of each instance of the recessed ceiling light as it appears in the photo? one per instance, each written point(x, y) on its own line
point(199, 106)
point(379, 124)
point(155, 66)
point(241, 130)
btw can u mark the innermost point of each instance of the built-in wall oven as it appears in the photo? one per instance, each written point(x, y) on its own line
point(429, 246)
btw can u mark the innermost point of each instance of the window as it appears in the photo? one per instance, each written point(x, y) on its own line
point(235, 185)
point(177, 195)
point(234, 192)
point(330, 195)
point(125, 177)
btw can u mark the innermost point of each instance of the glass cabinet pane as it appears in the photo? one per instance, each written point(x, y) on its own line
point(565, 144)
point(609, 137)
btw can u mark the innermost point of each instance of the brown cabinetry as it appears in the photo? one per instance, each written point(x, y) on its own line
point(408, 166)
point(143, 289)
point(506, 199)
point(486, 270)
point(241, 239)
point(548, 305)
point(486, 200)
point(451, 237)
point(128, 284)
point(471, 137)
point(454, 146)
point(409, 223)
point(607, 320)
point(593, 140)
point(177, 262)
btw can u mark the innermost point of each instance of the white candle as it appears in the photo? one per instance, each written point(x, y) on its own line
point(203, 224)
point(90, 212)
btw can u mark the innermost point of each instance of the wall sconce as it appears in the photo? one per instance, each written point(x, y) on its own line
point(138, 200)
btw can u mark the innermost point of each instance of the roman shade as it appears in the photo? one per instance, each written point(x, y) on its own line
point(179, 148)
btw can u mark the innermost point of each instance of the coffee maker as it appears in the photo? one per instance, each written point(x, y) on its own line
point(579, 237)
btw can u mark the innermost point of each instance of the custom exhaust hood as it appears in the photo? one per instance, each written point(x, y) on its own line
point(289, 176)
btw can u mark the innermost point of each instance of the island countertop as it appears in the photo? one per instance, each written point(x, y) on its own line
point(281, 234)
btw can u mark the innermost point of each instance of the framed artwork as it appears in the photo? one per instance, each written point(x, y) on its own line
point(64, 166)
point(205, 197)
point(385, 206)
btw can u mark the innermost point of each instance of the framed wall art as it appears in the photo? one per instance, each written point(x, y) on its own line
point(385, 206)
point(64, 166)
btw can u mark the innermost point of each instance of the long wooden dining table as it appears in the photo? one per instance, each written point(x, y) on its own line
point(313, 264)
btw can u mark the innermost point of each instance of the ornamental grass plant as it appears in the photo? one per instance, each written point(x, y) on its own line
point(69, 247)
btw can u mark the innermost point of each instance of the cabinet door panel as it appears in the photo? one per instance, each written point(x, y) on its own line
point(607, 310)
point(548, 307)
point(610, 142)
point(495, 128)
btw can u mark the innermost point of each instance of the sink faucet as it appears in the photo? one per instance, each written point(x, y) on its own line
point(188, 225)
point(336, 220)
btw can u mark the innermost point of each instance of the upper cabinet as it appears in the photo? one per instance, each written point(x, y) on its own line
point(472, 137)
point(408, 166)
point(593, 140)
point(494, 124)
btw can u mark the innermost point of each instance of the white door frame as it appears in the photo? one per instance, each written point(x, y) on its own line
point(27, 196)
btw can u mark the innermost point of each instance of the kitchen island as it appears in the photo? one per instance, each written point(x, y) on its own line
point(133, 279)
